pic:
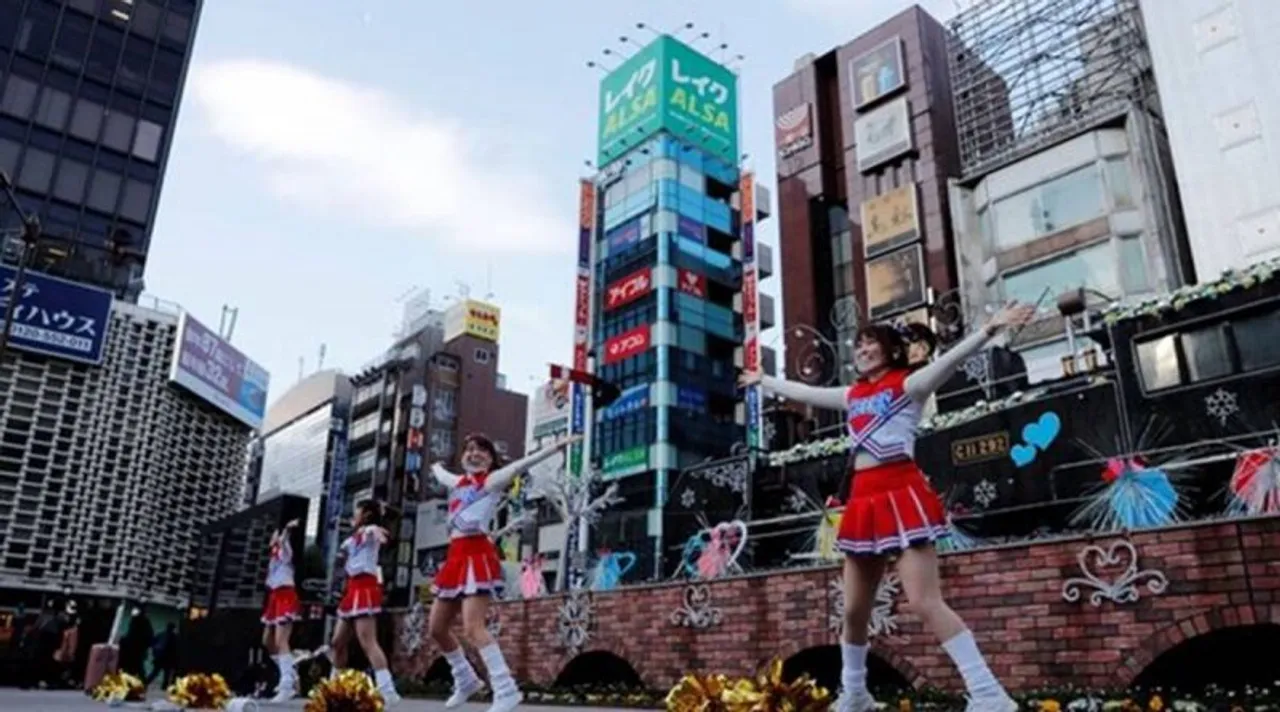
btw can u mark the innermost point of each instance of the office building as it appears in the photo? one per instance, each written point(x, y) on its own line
point(111, 461)
point(865, 139)
point(660, 284)
point(1077, 191)
point(1215, 65)
point(89, 98)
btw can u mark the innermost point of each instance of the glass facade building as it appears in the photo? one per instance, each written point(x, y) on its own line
point(89, 96)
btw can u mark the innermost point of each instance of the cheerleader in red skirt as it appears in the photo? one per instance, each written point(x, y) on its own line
point(362, 595)
point(472, 572)
point(281, 611)
point(891, 509)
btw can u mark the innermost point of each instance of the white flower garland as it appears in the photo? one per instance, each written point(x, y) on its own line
point(1176, 300)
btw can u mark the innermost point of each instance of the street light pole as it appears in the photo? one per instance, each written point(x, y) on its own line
point(28, 238)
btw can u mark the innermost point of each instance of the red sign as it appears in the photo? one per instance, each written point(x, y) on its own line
point(628, 289)
point(749, 297)
point(581, 319)
point(692, 283)
point(793, 131)
point(751, 359)
point(627, 344)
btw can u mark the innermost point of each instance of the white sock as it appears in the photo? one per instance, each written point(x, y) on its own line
point(978, 679)
point(382, 678)
point(284, 661)
point(463, 673)
point(500, 679)
point(853, 669)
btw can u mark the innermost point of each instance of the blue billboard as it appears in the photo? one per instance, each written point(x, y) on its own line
point(632, 400)
point(56, 317)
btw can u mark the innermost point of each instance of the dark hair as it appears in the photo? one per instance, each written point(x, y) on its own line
point(376, 512)
point(891, 343)
point(919, 333)
point(484, 443)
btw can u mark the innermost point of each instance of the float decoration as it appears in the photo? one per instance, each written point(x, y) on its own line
point(572, 499)
point(531, 583)
point(1255, 484)
point(1134, 495)
point(349, 691)
point(1230, 281)
point(714, 551)
point(199, 691)
point(610, 567)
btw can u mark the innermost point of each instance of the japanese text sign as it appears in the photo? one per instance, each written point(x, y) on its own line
point(56, 317)
point(217, 372)
point(692, 283)
point(627, 344)
point(629, 288)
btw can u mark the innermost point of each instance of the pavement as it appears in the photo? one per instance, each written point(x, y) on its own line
point(12, 700)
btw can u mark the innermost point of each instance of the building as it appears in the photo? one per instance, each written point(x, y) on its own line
point(1078, 192)
point(1215, 66)
point(111, 460)
point(414, 406)
point(89, 97)
point(865, 138)
point(661, 283)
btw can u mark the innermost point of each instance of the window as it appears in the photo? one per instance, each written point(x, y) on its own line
point(1258, 341)
point(35, 36)
point(692, 178)
point(72, 178)
point(176, 27)
point(89, 6)
point(19, 97)
point(146, 144)
point(72, 42)
point(1119, 185)
point(135, 63)
point(164, 75)
point(1205, 353)
point(37, 170)
point(1158, 363)
point(104, 191)
point(9, 156)
point(104, 52)
point(146, 19)
point(86, 122)
point(482, 356)
point(119, 131)
point(53, 109)
point(1052, 207)
point(1093, 267)
point(441, 443)
point(137, 200)
point(444, 405)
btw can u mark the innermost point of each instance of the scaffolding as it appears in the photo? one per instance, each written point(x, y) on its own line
point(1027, 74)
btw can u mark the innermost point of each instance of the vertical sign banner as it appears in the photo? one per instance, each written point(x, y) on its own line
point(582, 317)
point(337, 488)
point(750, 308)
point(414, 440)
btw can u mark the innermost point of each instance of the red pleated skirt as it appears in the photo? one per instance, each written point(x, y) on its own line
point(362, 596)
point(282, 606)
point(471, 567)
point(891, 508)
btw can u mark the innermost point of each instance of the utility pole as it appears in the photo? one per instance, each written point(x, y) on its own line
point(28, 237)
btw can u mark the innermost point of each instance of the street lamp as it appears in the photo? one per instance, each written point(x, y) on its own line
point(29, 235)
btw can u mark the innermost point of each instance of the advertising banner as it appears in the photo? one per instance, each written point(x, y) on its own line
point(217, 372)
point(669, 86)
point(628, 289)
point(624, 236)
point(586, 221)
point(895, 282)
point(750, 308)
point(337, 482)
point(56, 317)
point(627, 344)
point(882, 134)
point(688, 398)
point(414, 442)
point(627, 462)
point(551, 407)
point(692, 229)
point(890, 221)
point(577, 424)
point(632, 400)
point(472, 318)
point(582, 318)
point(691, 283)
point(793, 131)
point(877, 73)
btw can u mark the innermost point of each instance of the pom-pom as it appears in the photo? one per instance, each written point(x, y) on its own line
point(119, 687)
point(698, 693)
point(200, 692)
point(765, 692)
point(349, 691)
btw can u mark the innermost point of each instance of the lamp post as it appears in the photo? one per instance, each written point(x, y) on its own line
point(29, 235)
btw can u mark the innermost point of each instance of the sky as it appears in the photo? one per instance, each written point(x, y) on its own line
point(333, 156)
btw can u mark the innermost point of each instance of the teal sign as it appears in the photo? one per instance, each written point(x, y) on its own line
point(627, 462)
point(669, 86)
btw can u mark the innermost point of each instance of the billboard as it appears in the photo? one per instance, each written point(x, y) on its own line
point(217, 372)
point(691, 283)
point(472, 318)
point(890, 220)
point(628, 289)
point(750, 308)
point(56, 317)
point(793, 131)
point(551, 403)
point(587, 208)
point(626, 462)
point(632, 400)
point(627, 344)
point(669, 86)
point(877, 73)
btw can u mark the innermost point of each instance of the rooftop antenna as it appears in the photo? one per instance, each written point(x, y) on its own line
point(227, 324)
point(623, 39)
point(320, 360)
point(597, 65)
point(686, 26)
point(302, 362)
point(642, 26)
point(488, 281)
point(464, 290)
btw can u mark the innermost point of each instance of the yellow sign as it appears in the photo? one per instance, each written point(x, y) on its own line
point(890, 220)
point(980, 449)
point(472, 318)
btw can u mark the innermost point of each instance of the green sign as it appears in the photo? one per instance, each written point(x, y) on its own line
point(627, 462)
point(669, 86)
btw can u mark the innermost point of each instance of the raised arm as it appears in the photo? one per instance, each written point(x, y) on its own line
point(818, 397)
point(500, 478)
point(443, 476)
point(927, 380)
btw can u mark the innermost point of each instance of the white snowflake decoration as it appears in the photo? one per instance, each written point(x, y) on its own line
point(884, 620)
point(411, 629)
point(688, 499)
point(976, 367)
point(797, 502)
point(984, 493)
point(1221, 405)
point(768, 432)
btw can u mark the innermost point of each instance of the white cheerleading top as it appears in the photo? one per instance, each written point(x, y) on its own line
point(280, 567)
point(471, 506)
point(362, 549)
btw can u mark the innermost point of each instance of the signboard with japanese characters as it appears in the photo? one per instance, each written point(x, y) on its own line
point(626, 462)
point(632, 400)
point(883, 134)
point(217, 372)
point(472, 318)
point(627, 344)
point(895, 282)
point(691, 283)
point(551, 407)
point(750, 308)
point(582, 318)
point(793, 130)
point(890, 220)
point(56, 317)
point(628, 289)
point(414, 439)
point(877, 73)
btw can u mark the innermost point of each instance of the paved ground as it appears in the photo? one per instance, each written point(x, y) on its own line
point(12, 700)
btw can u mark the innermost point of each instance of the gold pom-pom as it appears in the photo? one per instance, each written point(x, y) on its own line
point(766, 692)
point(695, 693)
point(120, 687)
point(350, 691)
point(200, 692)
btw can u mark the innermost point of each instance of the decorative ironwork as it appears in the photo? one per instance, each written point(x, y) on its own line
point(493, 622)
point(411, 629)
point(697, 610)
point(815, 358)
point(1119, 587)
point(577, 616)
point(884, 618)
point(727, 474)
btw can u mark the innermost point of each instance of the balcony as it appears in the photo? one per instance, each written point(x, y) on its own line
point(764, 260)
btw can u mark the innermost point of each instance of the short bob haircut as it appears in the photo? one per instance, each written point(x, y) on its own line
point(891, 342)
point(484, 443)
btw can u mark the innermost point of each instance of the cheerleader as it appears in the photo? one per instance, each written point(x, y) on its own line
point(891, 510)
point(281, 611)
point(362, 595)
point(472, 573)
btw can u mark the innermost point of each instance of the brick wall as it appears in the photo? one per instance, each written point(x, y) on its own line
point(1218, 576)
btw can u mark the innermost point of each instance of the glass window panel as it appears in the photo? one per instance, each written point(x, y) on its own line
point(86, 122)
point(1158, 363)
point(1119, 184)
point(37, 170)
point(693, 178)
point(89, 6)
point(1043, 210)
point(1132, 260)
point(119, 131)
point(176, 27)
point(53, 109)
point(137, 200)
point(1258, 341)
point(104, 191)
point(1206, 354)
point(72, 178)
point(146, 144)
point(135, 63)
point(73, 41)
point(9, 156)
point(19, 97)
point(104, 52)
point(665, 169)
point(35, 35)
point(146, 19)
point(1092, 267)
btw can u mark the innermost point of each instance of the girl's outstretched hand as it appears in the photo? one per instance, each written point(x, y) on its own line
point(1012, 315)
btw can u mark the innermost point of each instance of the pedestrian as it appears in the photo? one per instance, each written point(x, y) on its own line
point(135, 644)
point(69, 647)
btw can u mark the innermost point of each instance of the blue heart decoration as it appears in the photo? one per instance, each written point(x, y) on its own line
point(625, 561)
point(1023, 455)
point(1042, 432)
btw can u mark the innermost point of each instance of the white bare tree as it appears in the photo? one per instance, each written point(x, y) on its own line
point(571, 497)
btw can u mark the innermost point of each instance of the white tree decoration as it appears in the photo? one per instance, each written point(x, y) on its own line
point(571, 496)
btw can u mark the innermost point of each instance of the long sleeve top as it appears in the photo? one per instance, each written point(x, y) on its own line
point(474, 497)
